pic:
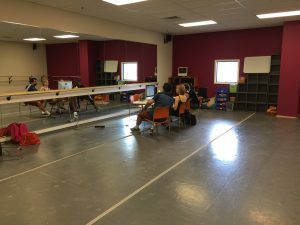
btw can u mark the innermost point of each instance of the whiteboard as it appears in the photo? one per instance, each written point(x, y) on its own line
point(259, 64)
point(111, 66)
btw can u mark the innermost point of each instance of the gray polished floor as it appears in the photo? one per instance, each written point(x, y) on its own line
point(35, 121)
point(229, 169)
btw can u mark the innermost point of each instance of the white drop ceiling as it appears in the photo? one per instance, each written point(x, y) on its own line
point(230, 14)
point(16, 33)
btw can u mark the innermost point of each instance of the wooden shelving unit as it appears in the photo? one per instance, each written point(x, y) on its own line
point(102, 78)
point(274, 81)
point(182, 80)
point(260, 91)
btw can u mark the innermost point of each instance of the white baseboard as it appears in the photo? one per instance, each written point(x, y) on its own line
point(287, 117)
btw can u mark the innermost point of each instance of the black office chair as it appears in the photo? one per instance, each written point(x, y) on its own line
point(202, 96)
point(202, 92)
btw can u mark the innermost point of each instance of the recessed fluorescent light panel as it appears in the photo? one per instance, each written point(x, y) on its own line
point(123, 2)
point(279, 14)
point(197, 24)
point(66, 36)
point(34, 39)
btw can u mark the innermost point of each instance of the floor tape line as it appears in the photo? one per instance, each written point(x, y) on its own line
point(61, 159)
point(95, 220)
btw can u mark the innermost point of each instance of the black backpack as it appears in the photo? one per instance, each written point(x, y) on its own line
point(193, 119)
point(189, 118)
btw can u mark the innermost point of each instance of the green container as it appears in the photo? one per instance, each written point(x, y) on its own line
point(233, 88)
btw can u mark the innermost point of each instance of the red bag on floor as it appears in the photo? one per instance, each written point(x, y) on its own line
point(3, 132)
point(16, 131)
point(30, 139)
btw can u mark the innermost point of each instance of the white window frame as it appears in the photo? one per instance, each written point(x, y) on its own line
point(227, 60)
point(137, 71)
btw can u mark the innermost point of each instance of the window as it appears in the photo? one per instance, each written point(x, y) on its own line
point(130, 71)
point(227, 71)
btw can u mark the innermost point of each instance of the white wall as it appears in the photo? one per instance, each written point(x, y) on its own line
point(48, 17)
point(20, 61)
point(164, 64)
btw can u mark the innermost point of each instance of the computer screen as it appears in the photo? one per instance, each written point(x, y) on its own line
point(182, 71)
point(150, 91)
point(62, 85)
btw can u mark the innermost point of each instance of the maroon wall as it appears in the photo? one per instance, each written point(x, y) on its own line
point(62, 62)
point(89, 53)
point(84, 62)
point(288, 102)
point(299, 102)
point(199, 51)
point(125, 51)
point(78, 60)
point(149, 59)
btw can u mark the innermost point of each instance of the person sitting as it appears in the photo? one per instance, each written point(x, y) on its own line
point(191, 95)
point(45, 85)
point(58, 102)
point(179, 99)
point(73, 105)
point(163, 99)
point(78, 84)
point(187, 90)
point(73, 108)
point(39, 104)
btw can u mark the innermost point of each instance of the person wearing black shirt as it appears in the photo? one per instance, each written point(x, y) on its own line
point(159, 100)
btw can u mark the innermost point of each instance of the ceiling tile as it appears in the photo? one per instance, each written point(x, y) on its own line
point(149, 15)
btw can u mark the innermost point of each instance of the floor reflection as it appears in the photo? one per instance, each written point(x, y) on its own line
point(11, 113)
point(191, 195)
point(225, 148)
point(265, 217)
point(129, 121)
point(219, 128)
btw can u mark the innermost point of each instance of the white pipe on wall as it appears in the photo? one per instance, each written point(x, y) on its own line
point(20, 97)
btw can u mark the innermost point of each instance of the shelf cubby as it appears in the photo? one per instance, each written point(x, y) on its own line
point(262, 98)
point(251, 107)
point(242, 88)
point(251, 97)
point(261, 90)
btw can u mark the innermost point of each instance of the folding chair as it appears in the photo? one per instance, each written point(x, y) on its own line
point(53, 106)
point(56, 106)
point(25, 105)
point(134, 98)
point(161, 116)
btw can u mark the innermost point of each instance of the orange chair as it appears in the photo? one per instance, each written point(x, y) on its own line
point(132, 99)
point(161, 116)
point(135, 97)
point(188, 104)
point(102, 99)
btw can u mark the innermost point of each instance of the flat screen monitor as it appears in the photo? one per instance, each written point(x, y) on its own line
point(63, 85)
point(182, 71)
point(150, 91)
